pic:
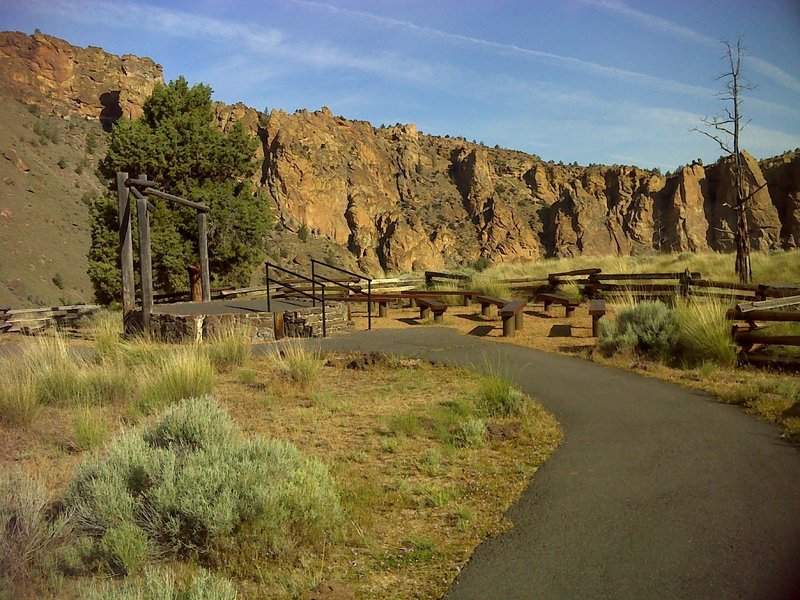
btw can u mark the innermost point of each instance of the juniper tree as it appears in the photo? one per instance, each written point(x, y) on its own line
point(176, 143)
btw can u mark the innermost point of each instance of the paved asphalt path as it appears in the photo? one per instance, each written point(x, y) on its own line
point(656, 492)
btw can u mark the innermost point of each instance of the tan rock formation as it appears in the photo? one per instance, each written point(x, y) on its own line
point(762, 217)
point(684, 222)
point(44, 70)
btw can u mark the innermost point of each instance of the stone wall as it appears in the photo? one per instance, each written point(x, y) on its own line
point(258, 327)
point(308, 322)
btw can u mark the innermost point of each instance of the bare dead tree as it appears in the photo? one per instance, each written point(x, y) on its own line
point(725, 130)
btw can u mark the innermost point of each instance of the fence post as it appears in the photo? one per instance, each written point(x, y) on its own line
point(145, 260)
point(202, 234)
point(125, 246)
point(369, 304)
point(685, 276)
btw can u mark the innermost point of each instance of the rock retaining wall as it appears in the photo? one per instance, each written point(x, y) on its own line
point(259, 327)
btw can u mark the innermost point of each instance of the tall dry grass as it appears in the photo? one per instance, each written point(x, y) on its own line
point(767, 266)
point(704, 331)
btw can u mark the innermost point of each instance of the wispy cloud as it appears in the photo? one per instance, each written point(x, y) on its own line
point(765, 68)
point(513, 49)
point(257, 39)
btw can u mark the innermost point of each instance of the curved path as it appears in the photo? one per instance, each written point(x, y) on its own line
point(656, 492)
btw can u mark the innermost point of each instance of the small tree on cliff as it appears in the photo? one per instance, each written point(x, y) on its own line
point(176, 143)
point(725, 130)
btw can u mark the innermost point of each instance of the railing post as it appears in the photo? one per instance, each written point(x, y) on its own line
point(314, 286)
point(369, 304)
point(324, 321)
point(269, 300)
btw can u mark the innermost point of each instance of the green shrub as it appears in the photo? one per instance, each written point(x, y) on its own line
point(124, 549)
point(471, 434)
point(648, 328)
point(29, 531)
point(198, 488)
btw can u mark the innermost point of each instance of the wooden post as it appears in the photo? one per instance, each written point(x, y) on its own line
point(383, 309)
point(508, 325)
point(145, 261)
point(205, 278)
point(125, 246)
point(195, 287)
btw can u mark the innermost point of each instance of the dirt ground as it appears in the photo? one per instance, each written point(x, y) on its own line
point(545, 330)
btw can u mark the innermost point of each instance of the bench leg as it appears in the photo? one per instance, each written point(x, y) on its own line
point(438, 317)
point(383, 309)
point(546, 305)
point(467, 300)
point(412, 302)
point(508, 326)
point(424, 311)
point(518, 320)
point(596, 324)
point(569, 310)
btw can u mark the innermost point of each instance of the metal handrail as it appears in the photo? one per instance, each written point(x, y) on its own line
point(315, 262)
point(312, 295)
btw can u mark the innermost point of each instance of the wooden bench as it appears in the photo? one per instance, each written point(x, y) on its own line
point(512, 313)
point(487, 302)
point(569, 304)
point(428, 306)
point(597, 309)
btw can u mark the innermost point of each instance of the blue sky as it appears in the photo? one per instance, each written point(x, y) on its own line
point(603, 81)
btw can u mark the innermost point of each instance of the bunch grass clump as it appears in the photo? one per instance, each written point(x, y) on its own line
point(183, 373)
point(89, 429)
point(497, 395)
point(491, 286)
point(161, 584)
point(194, 486)
point(19, 402)
point(649, 329)
point(704, 331)
point(228, 348)
point(298, 364)
point(29, 531)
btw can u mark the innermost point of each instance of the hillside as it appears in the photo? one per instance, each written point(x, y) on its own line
point(380, 199)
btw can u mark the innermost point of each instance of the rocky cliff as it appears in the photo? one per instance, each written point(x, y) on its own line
point(398, 199)
point(69, 80)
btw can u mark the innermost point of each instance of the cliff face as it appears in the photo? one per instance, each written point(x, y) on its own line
point(69, 80)
point(400, 200)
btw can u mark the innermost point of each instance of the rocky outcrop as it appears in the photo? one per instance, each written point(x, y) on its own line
point(683, 225)
point(66, 79)
point(783, 180)
point(764, 224)
point(399, 200)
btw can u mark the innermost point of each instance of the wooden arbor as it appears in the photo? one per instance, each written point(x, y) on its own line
point(141, 188)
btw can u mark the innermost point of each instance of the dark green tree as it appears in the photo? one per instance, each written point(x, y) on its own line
point(176, 143)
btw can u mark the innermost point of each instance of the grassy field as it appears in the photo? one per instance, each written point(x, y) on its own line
point(403, 468)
